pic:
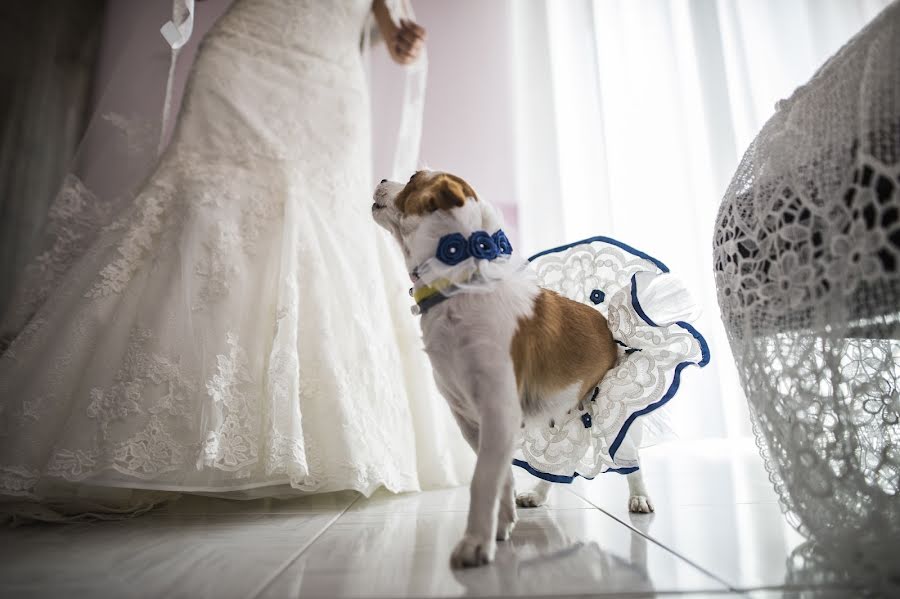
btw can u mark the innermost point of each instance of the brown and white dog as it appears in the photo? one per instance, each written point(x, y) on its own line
point(516, 354)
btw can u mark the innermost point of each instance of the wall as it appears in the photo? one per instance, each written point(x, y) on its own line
point(468, 126)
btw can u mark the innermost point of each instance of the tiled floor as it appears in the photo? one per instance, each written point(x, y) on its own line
point(717, 532)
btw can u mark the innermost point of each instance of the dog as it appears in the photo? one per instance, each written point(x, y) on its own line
point(514, 355)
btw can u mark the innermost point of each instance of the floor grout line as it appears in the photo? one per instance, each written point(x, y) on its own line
point(729, 586)
point(279, 571)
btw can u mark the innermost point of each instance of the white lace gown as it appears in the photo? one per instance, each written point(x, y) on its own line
point(244, 327)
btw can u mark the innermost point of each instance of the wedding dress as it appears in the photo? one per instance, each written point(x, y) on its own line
point(243, 327)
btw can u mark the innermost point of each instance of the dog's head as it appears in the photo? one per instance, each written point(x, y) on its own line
point(429, 206)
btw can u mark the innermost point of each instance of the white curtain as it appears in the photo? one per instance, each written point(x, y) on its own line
point(630, 118)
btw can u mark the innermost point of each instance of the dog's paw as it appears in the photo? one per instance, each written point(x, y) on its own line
point(530, 499)
point(640, 504)
point(471, 553)
point(504, 529)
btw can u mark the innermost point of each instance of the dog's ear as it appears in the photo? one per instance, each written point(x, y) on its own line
point(448, 193)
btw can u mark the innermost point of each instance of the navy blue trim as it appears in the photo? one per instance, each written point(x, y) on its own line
point(637, 304)
point(563, 479)
point(704, 347)
point(553, 478)
point(623, 470)
point(610, 241)
point(676, 378)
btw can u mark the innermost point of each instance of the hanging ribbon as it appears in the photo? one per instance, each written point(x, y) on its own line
point(177, 32)
point(409, 136)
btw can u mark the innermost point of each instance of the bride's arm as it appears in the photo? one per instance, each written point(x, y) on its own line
point(404, 42)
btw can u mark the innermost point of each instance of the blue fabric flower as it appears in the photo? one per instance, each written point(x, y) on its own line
point(452, 249)
point(502, 242)
point(597, 296)
point(482, 246)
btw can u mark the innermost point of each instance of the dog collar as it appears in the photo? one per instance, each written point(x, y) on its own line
point(428, 296)
point(452, 250)
point(480, 245)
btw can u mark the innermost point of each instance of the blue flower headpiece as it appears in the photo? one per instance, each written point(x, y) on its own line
point(481, 245)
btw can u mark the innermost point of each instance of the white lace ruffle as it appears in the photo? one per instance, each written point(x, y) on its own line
point(647, 311)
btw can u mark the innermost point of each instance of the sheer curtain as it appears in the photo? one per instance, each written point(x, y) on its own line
point(630, 119)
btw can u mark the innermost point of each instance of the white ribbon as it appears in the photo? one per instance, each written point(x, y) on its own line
point(178, 34)
point(409, 135)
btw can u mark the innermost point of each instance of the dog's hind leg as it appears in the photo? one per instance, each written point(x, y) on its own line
point(506, 518)
point(535, 497)
point(638, 500)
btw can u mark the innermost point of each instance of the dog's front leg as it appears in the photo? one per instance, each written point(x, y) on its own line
point(499, 416)
point(506, 515)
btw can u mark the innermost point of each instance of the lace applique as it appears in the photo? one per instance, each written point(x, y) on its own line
point(286, 455)
point(33, 406)
point(233, 444)
point(74, 218)
point(138, 240)
point(151, 452)
point(140, 370)
point(219, 266)
point(18, 481)
point(73, 464)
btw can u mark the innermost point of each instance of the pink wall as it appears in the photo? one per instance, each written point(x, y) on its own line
point(468, 127)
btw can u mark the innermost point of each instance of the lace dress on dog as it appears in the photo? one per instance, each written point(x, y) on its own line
point(647, 310)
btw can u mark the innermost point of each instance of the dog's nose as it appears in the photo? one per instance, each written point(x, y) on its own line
point(384, 180)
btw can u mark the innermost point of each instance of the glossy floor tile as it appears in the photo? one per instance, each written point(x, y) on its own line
point(566, 551)
point(717, 532)
point(153, 556)
point(714, 506)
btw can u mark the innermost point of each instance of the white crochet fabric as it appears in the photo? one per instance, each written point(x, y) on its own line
point(807, 252)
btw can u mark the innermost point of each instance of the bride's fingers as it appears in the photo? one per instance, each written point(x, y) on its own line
point(405, 57)
point(408, 50)
point(407, 46)
point(409, 36)
point(412, 30)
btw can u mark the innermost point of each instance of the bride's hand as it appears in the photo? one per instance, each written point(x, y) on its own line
point(407, 42)
point(404, 42)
